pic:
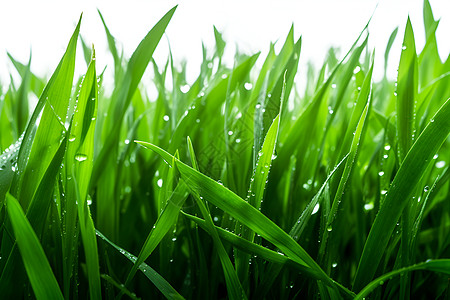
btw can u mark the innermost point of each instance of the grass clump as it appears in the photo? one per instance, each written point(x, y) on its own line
point(236, 185)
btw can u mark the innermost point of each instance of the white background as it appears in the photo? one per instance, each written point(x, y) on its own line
point(45, 27)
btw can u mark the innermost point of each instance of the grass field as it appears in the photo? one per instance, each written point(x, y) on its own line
point(236, 185)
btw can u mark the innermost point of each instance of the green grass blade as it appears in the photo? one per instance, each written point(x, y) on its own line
point(163, 286)
point(35, 154)
point(36, 84)
point(365, 96)
point(406, 92)
point(235, 290)
point(436, 265)
point(388, 48)
point(163, 224)
point(36, 264)
point(126, 88)
point(79, 164)
point(239, 209)
point(118, 70)
point(405, 181)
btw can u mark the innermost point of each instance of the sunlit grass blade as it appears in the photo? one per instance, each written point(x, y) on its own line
point(35, 153)
point(107, 218)
point(79, 164)
point(36, 264)
point(406, 92)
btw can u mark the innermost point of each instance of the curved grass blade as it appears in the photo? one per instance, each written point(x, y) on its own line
point(437, 265)
point(35, 153)
point(235, 290)
point(36, 264)
point(262, 252)
point(349, 165)
point(298, 229)
point(163, 224)
point(239, 209)
point(126, 88)
point(405, 181)
point(163, 286)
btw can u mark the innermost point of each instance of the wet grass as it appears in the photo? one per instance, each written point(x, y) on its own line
point(236, 185)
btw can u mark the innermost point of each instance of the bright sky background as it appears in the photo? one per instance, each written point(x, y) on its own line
point(45, 26)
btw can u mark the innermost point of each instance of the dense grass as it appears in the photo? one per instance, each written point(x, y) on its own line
point(237, 185)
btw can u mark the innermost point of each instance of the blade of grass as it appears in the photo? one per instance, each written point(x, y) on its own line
point(406, 92)
point(235, 290)
point(36, 264)
point(397, 197)
point(239, 209)
point(435, 265)
point(163, 286)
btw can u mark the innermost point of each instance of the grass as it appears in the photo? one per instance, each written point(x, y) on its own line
point(236, 185)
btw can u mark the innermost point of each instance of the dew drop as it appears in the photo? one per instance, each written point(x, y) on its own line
point(316, 209)
point(166, 118)
point(159, 182)
point(185, 88)
point(80, 157)
point(248, 86)
point(426, 188)
point(440, 164)
point(330, 110)
point(368, 206)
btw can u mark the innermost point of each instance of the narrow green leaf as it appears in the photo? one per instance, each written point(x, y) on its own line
point(36, 264)
point(235, 290)
point(239, 209)
point(406, 92)
point(163, 286)
point(437, 265)
point(405, 181)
